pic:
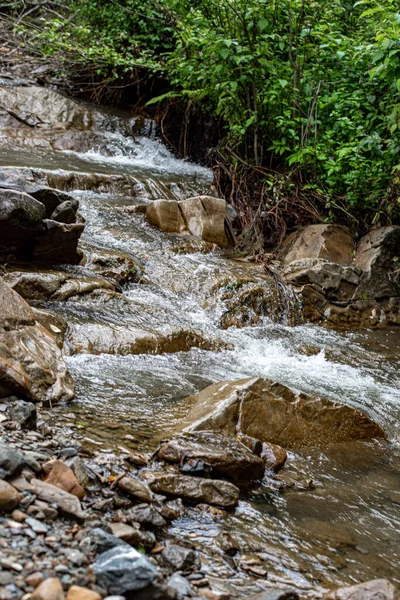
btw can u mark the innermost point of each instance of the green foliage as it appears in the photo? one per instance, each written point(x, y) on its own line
point(307, 88)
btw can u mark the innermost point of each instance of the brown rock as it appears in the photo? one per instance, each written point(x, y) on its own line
point(194, 489)
point(166, 215)
point(332, 242)
point(226, 456)
point(377, 589)
point(133, 535)
point(135, 488)
point(60, 475)
point(272, 412)
point(206, 218)
point(34, 579)
point(66, 502)
point(49, 589)
point(9, 497)
point(76, 592)
point(274, 457)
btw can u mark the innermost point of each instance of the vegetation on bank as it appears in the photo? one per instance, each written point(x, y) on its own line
point(304, 96)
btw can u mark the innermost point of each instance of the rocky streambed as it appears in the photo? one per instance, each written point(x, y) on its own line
point(172, 422)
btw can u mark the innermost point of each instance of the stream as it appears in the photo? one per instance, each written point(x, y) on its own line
point(338, 520)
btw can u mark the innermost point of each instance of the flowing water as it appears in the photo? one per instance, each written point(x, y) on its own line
point(338, 521)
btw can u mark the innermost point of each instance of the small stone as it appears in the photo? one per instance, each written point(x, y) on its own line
point(11, 462)
point(135, 488)
point(76, 557)
point(49, 589)
point(145, 515)
point(77, 466)
point(284, 594)
point(23, 413)
point(18, 515)
point(34, 579)
point(98, 541)
point(179, 557)
point(179, 585)
point(61, 569)
point(132, 535)
point(36, 525)
point(124, 569)
point(6, 578)
point(67, 452)
point(60, 475)
point(76, 592)
point(9, 496)
point(66, 502)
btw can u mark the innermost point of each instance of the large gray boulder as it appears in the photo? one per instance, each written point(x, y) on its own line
point(272, 412)
point(31, 364)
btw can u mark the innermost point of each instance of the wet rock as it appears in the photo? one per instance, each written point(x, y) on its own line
point(135, 488)
point(11, 462)
point(98, 541)
point(274, 413)
point(166, 215)
point(228, 543)
point(120, 266)
point(76, 592)
point(23, 413)
point(179, 557)
point(210, 491)
point(275, 595)
point(31, 363)
point(172, 510)
point(132, 535)
point(58, 243)
point(49, 589)
point(194, 247)
point(21, 218)
point(226, 456)
point(50, 197)
point(9, 497)
point(145, 515)
point(66, 502)
point(377, 255)
point(55, 324)
point(66, 212)
point(274, 457)
point(36, 285)
point(377, 589)
point(331, 242)
point(180, 586)
point(206, 218)
point(123, 569)
point(60, 475)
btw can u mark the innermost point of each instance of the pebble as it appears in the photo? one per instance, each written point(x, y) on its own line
point(37, 526)
point(34, 579)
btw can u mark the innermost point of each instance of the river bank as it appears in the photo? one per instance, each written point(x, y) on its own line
point(143, 323)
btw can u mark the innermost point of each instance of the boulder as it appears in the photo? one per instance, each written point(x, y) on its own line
point(272, 412)
point(338, 282)
point(331, 242)
point(377, 589)
point(206, 219)
point(23, 413)
point(223, 453)
point(21, 219)
point(58, 243)
point(123, 569)
point(60, 475)
point(378, 255)
point(66, 212)
point(66, 502)
point(31, 363)
point(120, 266)
point(9, 497)
point(194, 489)
point(166, 215)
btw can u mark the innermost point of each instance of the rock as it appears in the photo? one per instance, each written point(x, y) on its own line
point(123, 569)
point(338, 282)
point(120, 266)
point(9, 497)
point(145, 515)
point(66, 502)
point(58, 243)
point(133, 536)
point(36, 285)
point(166, 215)
point(332, 242)
point(377, 255)
point(179, 557)
point(180, 586)
point(272, 412)
point(23, 413)
point(55, 324)
point(135, 488)
point(35, 525)
point(206, 218)
point(377, 589)
point(50, 197)
point(34, 579)
point(66, 212)
point(275, 595)
point(98, 541)
point(49, 589)
point(78, 468)
point(193, 489)
point(76, 592)
point(274, 457)
point(60, 475)
point(21, 218)
point(194, 247)
point(226, 456)
point(31, 363)
point(11, 462)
